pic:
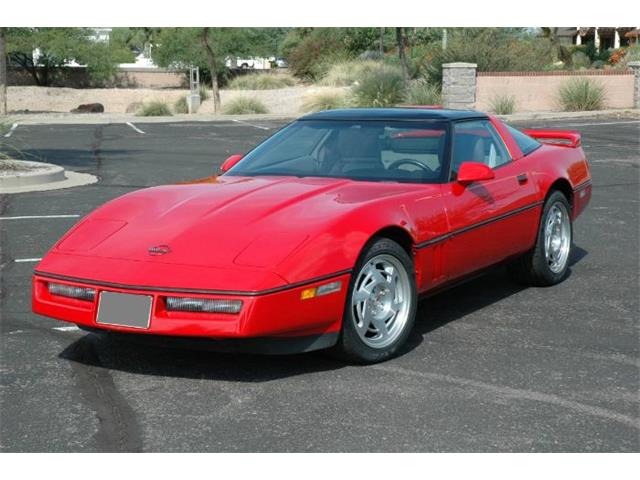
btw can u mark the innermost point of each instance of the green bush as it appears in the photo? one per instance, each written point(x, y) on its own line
point(503, 104)
point(492, 49)
point(421, 92)
point(261, 81)
point(314, 53)
point(244, 105)
point(580, 60)
point(382, 88)
point(154, 109)
point(347, 72)
point(580, 94)
point(180, 106)
point(325, 101)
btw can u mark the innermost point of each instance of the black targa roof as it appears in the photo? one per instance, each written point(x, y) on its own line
point(394, 114)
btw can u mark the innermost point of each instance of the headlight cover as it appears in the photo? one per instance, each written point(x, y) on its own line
point(81, 293)
point(204, 305)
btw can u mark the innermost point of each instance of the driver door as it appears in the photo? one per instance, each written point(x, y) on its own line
point(489, 220)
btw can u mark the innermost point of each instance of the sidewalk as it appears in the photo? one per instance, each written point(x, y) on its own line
point(106, 118)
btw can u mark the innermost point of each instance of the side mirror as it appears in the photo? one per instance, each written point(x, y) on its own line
point(230, 162)
point(470, 172)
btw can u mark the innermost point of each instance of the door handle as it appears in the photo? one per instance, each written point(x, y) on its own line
point(522, 178)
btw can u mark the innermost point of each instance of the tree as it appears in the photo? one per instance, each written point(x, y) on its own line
point(3, 71)
point(207, 48)
point(41, 50)
point(556, 47)
point(401, 39)
point(211, 59)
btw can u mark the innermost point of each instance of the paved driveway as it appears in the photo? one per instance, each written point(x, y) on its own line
point(491, 366)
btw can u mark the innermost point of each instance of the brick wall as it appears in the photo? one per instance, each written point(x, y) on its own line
point(538, 91)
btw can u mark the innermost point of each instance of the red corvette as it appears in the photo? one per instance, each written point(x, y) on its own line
point(325, 235)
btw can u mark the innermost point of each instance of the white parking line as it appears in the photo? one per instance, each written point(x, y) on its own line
point(599, 123)
point(27, 260)
point(71, 328)
point(251, 125)
point(135, 128)
point(13, 127)
point(27, 217)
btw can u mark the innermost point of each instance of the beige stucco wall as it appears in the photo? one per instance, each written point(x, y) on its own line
point(540, 92)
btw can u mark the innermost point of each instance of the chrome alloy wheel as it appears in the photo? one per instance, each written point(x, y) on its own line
point(557, 237)
point(381, 301)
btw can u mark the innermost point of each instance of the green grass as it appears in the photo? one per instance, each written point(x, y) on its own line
point(244, 105)
point(154, 109)
point(581, 94)
point(423, 93)
point(503, 104)
point(383, 87)
point(325, 101)
point(261, 81)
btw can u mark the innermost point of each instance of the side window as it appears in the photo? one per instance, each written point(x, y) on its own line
point(477, 141)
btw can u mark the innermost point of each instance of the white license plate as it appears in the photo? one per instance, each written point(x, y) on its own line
point(125, 310)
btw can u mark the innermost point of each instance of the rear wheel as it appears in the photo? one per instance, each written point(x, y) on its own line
point(548, 262)
point(381, 304)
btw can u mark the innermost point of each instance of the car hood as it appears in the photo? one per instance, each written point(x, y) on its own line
point(245, 221)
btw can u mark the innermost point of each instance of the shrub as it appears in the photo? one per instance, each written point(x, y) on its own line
point(244, 105)
point(348, 72)
point(180, 106)
point(204, 93)
point(261, 81)
point(503, 104)
point(492, 49)
point(423, 93)
point(580, 60)
point(134, 107)
point(382, 88)
point(580, 94)
point(325, 101)
point(314, 53)
point(154, 109)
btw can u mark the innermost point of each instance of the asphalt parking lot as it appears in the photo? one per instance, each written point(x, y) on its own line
point(491, 366)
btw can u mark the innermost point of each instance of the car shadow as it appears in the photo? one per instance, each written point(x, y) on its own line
point(115, 353)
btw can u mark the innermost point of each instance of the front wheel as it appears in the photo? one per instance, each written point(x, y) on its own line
point(548, 262)
point(381, 304)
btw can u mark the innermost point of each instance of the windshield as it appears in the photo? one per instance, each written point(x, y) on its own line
point(359, 150)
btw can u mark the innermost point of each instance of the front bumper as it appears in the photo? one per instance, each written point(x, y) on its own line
point(282, 314)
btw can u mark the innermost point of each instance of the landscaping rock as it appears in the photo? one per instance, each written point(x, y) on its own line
point(89, 108)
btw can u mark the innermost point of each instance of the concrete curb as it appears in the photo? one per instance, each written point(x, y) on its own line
point(41, 173)
point(46, 177)
point(620, 113)
point(107, 118)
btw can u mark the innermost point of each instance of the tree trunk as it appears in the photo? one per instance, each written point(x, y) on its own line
point(381, 42)
point(3, 70)
point(212, 67)
point(401, 38)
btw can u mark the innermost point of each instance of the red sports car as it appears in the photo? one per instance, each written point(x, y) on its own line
point(325, 235)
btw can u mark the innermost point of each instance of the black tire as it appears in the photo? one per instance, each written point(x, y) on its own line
point(350, 346)
point(533, 268)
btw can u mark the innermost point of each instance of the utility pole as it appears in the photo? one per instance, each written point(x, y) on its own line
point(3, 70)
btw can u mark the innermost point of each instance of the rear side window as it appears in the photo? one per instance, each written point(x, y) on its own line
point(525, 142)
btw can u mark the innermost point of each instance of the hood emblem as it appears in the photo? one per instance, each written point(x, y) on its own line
point(159, 250)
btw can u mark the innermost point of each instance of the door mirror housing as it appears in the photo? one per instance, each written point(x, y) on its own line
point(470, 172)
point(230, 162)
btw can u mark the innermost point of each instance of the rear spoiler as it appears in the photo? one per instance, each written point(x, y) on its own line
point(561, 138)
